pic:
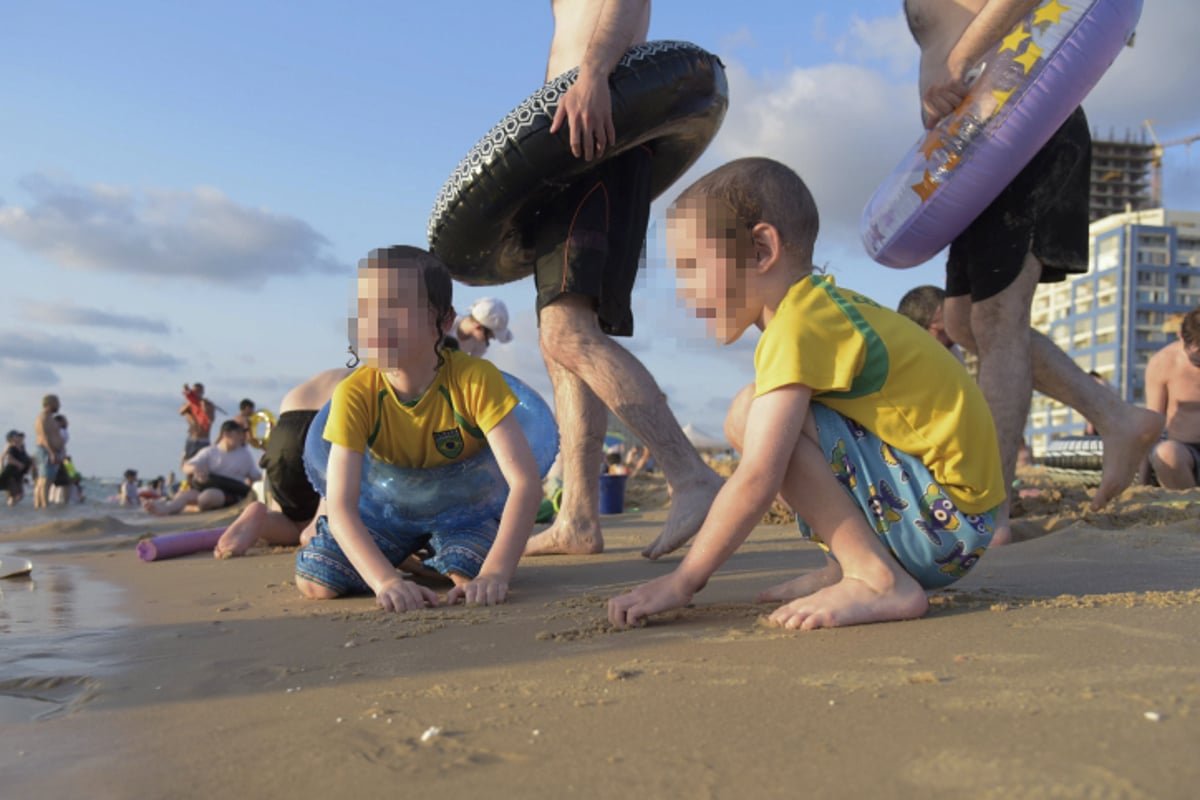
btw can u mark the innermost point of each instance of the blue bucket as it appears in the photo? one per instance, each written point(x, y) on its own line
point(612, 494)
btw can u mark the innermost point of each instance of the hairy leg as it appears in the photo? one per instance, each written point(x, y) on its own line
point(581, 428)
point(571, 337)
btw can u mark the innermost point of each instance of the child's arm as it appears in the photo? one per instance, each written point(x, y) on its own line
point(519, 468)
point(773, 429)
point(392, 593)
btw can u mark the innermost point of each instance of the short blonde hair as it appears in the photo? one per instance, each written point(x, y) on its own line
point(762, 190)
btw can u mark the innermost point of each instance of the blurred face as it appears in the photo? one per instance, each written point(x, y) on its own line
point(394, 321)
point(712, 252)
point(236, 438)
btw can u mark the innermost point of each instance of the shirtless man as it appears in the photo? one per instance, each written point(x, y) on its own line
point(288, 521)
point(1173, 389)
point(1035, 231)
point(487, 320)
point(199, 420)
point(587, 248)
point(49, 451)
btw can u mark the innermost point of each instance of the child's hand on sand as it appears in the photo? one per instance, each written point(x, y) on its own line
point(660, 594)
point(485, 590)
point(397, 594)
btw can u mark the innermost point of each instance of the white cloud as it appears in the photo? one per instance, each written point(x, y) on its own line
point(144, 355)
point(199, 234)
point(885, 39)
point(68, 314)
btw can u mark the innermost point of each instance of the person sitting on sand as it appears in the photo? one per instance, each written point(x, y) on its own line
point(220, 475)
point(288, 521)
point(418, 406)
point(895, 473)
point(1173, 389)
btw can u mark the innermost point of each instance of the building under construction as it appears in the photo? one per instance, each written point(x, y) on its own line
point(1122, 174)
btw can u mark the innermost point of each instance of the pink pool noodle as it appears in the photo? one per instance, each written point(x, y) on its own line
point(172, 545)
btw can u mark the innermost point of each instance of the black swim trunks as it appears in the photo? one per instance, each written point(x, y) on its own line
point(1044, 211)
point(234, 490)
point(589, 239)
point(283, 462)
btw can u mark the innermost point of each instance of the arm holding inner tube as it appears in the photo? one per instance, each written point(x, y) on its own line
point(948, 89)
point(392, 593)
point(586, 108)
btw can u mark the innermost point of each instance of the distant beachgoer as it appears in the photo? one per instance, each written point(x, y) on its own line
point(245, 412)
point(220, 475)
point(130, 489)
point(487, 320)
point(288, 520)
point(1173, 389)
point(63, 490)
point(14, 466)
point(198, 411)
point(49, 451)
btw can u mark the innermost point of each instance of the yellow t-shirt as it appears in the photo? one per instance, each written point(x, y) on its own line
point(881, 370)
point(445, 425)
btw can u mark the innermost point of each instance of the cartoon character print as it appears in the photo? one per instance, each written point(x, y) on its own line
point(843, 467)
point(938, 514)
point(889, 457)
point(858, 430)
point(884, 504)
point(980, 524)
point(957, 562)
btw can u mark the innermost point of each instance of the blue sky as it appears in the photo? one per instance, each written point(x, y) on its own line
point(186, 188)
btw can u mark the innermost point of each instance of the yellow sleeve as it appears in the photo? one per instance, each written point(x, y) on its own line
point(488, 396)
point(353, 411)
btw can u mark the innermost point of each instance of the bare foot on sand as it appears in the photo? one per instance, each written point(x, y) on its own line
point(854, 601)
point(803, 586)
point(242, 534)
point(565, 537)
point(689, 506)
point(1125, 447)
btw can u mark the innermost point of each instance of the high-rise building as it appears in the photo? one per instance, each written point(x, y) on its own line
point(1122, 176)
point(1144, 268)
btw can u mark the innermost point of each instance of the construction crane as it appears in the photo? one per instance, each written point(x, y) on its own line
point(1156, 161)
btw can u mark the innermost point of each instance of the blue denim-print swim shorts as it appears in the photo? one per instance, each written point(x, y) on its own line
point(461, 551)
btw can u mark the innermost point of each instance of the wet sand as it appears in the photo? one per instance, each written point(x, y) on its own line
point(1067, 665)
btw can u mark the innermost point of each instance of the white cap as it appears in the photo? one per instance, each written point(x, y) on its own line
point(493, 315)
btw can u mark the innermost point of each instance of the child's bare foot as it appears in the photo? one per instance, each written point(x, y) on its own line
point(565, 537)
point(689, 506)
point(1125, 447)
point(803, 586)
point(855, 601)
point(242, 534)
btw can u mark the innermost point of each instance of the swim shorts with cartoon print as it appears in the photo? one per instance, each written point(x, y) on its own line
point(935, 542)
point(461, 551)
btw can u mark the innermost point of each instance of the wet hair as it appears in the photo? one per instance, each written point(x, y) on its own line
point(434, 280)
point(762, 190)
point(1189, 329)
point(246, 403)
point(921, 303)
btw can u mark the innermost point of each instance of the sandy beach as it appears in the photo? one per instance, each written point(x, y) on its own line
point(1067, 665)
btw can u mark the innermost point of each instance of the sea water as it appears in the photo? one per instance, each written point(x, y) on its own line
point(58, 625)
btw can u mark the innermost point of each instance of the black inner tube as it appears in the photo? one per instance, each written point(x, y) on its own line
point(671, 96)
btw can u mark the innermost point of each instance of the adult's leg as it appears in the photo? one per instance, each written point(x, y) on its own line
point(571, 337)
point(581, 427)
point(41, 490)
point(1174, 464)
point(162, 508)
point(254, 523)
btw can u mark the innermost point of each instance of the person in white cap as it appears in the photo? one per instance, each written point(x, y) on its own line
point(487, 320)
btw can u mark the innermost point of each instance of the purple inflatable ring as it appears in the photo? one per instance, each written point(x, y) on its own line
point(1027, 87)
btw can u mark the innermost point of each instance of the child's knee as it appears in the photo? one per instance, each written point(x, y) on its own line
point(314, 591)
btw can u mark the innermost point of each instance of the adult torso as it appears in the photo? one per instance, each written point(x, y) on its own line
point(937, 26)
point(574, 25)
point(1183, 396)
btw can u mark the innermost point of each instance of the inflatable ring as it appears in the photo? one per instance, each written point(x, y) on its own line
point(262, 417)
point(671, 95)
point(405, 500)
point(1029, 83)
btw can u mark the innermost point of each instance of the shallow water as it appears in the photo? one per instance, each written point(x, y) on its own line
point(58, 631)
point(95, 504)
